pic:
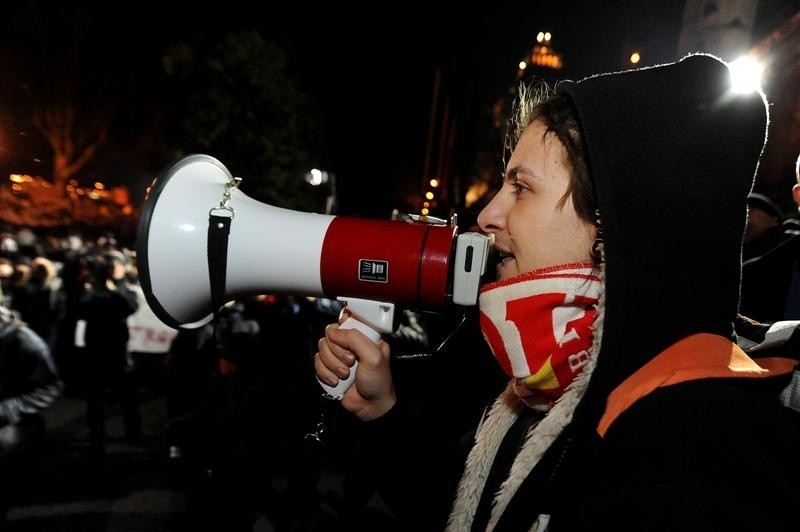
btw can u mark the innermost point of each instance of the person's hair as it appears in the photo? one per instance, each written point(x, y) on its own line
point(43, 271)
point(21, 275)
point(556, 111)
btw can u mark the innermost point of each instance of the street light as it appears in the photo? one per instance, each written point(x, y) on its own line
point(746, 74)
point(318, 177)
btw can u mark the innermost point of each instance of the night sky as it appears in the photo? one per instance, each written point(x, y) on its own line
point(369, 73)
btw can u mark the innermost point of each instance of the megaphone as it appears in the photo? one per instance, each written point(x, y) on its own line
point(201, 242)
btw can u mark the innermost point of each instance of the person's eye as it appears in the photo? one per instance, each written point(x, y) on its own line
point(519, 187)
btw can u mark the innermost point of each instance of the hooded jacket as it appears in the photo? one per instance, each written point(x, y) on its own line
point(29, 383)
point(672, 152)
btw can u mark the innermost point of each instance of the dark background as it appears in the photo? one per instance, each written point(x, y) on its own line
point(367, 78)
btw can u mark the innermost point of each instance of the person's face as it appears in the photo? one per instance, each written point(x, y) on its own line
point(117, 270)
point(532, 226)
point(6, 272)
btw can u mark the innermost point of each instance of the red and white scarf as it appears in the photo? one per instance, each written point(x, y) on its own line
point(539, 324)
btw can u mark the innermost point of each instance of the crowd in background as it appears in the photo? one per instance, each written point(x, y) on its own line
point(225, 395)
point(243, 406)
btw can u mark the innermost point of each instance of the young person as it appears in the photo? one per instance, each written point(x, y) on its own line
point(629, 406)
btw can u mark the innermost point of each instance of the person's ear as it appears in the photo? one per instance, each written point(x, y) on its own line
point(796, 195)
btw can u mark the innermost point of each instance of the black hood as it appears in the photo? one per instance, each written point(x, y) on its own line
point(672, 152)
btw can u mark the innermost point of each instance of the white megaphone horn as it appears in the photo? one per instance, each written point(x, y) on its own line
point(202, 242)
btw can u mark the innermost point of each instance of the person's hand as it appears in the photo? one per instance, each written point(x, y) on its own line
point(372, 393)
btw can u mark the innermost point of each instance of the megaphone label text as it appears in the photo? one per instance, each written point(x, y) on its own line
point(376, 271)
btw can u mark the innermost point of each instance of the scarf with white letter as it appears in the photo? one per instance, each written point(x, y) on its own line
point(539, 324)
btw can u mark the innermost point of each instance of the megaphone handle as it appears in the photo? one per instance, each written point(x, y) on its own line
point(336, 392)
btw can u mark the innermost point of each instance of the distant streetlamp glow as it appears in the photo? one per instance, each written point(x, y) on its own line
point(635, 58)
point(315, 177)
point(522, 65)
point(746, 74)
point(434, 182)
point(429, 195)
point(540, 36)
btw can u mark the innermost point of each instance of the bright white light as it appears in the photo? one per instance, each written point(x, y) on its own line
point(186, 227)
point(540, 36)
point(314, 177)
point(746, 74)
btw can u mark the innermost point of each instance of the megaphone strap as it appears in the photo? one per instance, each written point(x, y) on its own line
point(219, 228)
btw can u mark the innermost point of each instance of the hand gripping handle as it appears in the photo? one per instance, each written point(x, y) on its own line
point(336, 392)
point(381, 320)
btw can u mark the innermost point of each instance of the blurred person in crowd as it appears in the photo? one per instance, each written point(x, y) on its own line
point(107, 240)
point(76, 273)
point(763, 219)
point(793, 299)
point(21, 274)
point(768, 255)
point(211, 380)
point(8, 244)
point(40, 301)
point(29, 383)
point(105, 305)
point(28, 243)
point(6, 276)
point(629, 405)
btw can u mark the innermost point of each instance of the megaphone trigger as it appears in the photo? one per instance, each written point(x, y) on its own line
point(372, 318)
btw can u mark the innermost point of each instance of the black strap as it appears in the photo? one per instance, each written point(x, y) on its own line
point(218, 229)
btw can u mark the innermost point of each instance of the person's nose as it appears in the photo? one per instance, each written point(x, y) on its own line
point(493, 217)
